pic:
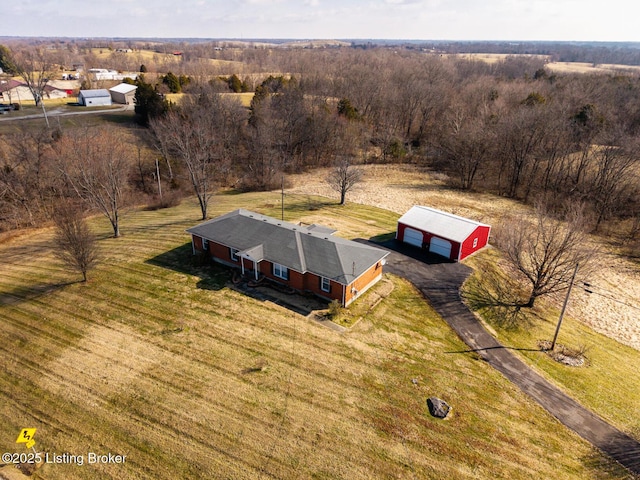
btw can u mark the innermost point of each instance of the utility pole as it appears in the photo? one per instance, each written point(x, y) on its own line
point(158, 177)
point(282, 202)
point(564, 307)
point(43, 109)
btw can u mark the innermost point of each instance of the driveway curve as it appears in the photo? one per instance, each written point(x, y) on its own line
point(440, 283)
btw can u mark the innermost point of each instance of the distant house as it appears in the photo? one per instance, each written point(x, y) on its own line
point(15, 91)
point(100, 74)
point(306, 258)
point(94, 98)
point(123, 93)
point(442, 233)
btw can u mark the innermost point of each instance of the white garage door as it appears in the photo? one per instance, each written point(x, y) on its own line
point(440, 247)
point(413, 237)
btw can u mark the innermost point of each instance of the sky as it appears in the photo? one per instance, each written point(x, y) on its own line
point(560, 20)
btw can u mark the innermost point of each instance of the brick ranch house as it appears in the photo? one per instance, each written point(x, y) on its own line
point(306, 258)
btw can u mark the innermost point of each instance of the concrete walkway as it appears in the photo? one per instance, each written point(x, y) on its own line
point(440, 283)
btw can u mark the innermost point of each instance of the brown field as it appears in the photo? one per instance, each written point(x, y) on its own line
point(160, 360)
point(578, 67)
point(558, 67)
point(491, 57)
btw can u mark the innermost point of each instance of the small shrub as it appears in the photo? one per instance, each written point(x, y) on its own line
point(168, 200)
point(335, 309)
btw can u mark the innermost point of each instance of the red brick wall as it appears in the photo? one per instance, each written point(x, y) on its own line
point(197, 242)
point(296, 279)
point(363, 282)
point(302, 282)
point(312, 284)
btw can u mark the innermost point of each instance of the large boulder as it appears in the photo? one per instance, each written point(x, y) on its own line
point(437, 407)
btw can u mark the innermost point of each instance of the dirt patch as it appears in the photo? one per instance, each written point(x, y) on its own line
point(611, 310)
point(565, 355)
point(13, 472)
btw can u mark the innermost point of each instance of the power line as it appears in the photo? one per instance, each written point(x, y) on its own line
point(589, 288)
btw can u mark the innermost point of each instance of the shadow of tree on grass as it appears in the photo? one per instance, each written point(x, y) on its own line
point(496, 297)
point(30, 292)
point(181, 259)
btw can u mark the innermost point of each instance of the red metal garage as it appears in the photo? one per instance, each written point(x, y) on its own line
point(442, 233)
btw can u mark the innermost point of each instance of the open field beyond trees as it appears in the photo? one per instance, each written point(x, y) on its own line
point(159, 360)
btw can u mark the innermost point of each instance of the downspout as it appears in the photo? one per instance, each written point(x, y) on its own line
point(193, 247)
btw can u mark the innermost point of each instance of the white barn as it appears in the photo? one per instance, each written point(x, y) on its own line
point(93, 98)
point(123, 93)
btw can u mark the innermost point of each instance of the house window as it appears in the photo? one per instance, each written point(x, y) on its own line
point(325, 284)
point(234, 254)
point(281, 271)
point(475, 242)
point(205, 244)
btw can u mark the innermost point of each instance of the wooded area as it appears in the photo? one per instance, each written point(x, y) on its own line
point(511, 127)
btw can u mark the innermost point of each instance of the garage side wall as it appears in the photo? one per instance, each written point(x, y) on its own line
point(481, 234)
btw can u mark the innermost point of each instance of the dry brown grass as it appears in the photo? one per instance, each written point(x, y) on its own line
point(157, 359)
point(581, 67)
point(398, 187)
point(558, 67)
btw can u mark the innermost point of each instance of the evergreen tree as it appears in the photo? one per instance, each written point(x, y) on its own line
point(172, 82)
point(235, 85)
point(6, 61)
point(149, 104)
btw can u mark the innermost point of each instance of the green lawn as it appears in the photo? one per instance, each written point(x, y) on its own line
point(158, 359)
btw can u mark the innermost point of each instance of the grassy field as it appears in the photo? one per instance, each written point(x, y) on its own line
point(159, 360)
point(608, 385)
point(244, 98)
point(558, 67)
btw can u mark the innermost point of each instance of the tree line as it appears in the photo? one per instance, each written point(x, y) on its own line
point(512, 128)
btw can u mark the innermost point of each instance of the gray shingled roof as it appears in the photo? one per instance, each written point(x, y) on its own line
point(304, 249)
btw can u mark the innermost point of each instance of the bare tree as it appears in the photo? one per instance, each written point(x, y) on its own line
point(546, 251)
point(96, 165)
point(75, 245)
point(27, 179)
point(344, 177)
point(35, 68)
point(200, 136)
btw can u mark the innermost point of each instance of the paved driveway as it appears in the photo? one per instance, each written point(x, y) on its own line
point(440, 283)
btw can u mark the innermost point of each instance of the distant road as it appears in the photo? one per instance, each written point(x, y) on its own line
point(54, 113)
